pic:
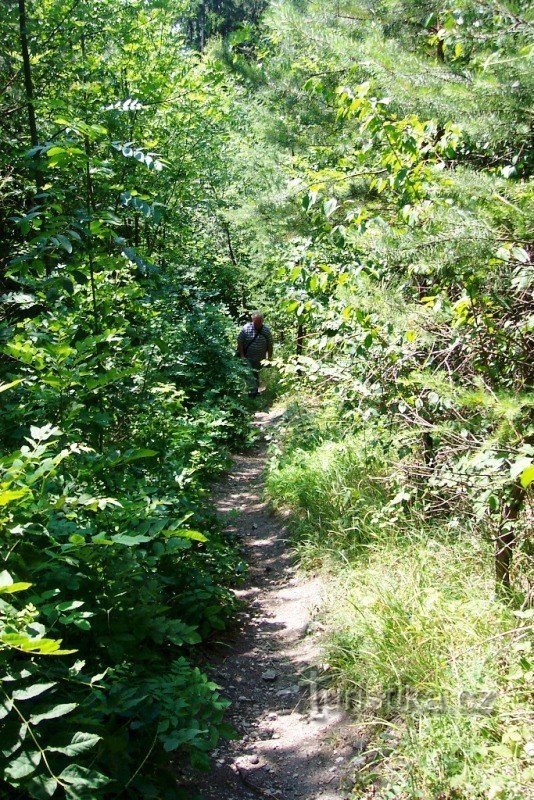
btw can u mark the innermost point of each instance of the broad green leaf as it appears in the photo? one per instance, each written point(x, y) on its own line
point(184, 533)
point(77, 538)
point(69, 605)
point(27, 644)
point(44, 433)
point(62, 241)
point(41, 786)
point(527, 476)
point(134, 455)
point(57, 711)
point(83, 777)
point(130, 541)
point(329, 206)
point(32, 691)
point(79, 744)
point(46, 647)
point(14, 587)
point(8, 495)
point(23, 765)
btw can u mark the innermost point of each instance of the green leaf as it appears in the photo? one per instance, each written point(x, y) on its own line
point(43, 433)
point(41, 786)
point(45, 647)
point(32, 691)
point(62, 241)
point(5, 386)
point(130, 541)
point(520, 466)
point(5, 578)
point(5, 707)
point(69, 605)
point(134, 455)
point(329, 206)
point(23, 765)
point(81, 776)
point(14, 587)
point(57, 711)
point(493, 502)
point(79, 744)
point(187, 534)
point(527, 476)
point(9, 495)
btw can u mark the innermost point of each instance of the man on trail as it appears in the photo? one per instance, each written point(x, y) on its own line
point(254, 342)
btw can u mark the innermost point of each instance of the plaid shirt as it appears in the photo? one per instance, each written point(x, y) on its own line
point(255, 349)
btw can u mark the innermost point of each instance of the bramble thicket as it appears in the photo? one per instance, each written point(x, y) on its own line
point(363, 172)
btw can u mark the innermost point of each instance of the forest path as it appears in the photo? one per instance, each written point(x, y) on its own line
point(288, 747)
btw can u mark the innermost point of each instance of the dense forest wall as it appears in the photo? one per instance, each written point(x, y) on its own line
point(121, 399)
point(402, 234)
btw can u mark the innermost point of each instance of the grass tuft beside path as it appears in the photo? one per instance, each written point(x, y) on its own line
point(435, 668)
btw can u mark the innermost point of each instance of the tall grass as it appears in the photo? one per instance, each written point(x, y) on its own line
point(334, 486)
point(432, 664)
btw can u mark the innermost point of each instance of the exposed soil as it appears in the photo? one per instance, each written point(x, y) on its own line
point(289, 745)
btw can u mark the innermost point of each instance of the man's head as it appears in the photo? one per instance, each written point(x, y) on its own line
point(257, 320)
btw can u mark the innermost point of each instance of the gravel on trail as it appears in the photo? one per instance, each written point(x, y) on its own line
point(289, 744)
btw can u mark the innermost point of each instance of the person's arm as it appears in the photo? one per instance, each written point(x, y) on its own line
point(270, 346)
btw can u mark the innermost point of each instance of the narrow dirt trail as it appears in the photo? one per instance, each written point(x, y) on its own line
point(288, 746)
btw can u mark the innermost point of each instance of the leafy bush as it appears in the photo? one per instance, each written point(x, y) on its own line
point(130, 584)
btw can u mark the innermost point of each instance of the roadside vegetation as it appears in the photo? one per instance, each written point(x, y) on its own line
point(406, 455)
point(121, 399)
point(433, 665)
point(363, 173)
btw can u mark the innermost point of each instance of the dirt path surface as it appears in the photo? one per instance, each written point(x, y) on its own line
point(288, 746)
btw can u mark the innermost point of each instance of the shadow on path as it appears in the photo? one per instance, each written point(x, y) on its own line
point(287, 746)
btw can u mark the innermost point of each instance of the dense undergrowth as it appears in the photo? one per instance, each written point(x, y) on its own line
point(406, 455)
point(121, 399)
point(433, 666)
point(362, 171)
point(114, 564)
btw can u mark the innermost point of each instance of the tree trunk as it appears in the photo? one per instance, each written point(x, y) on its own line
point(300, 339)
point(28, 81)
point(231, 252)
point(202, 27)
point(506, 535)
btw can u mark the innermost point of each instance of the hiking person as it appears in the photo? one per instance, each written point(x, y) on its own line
point(255, 341)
